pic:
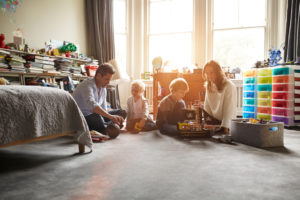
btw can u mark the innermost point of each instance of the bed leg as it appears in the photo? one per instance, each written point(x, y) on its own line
point(81, 148)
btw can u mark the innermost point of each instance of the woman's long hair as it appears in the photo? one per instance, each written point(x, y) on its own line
point(221, 80)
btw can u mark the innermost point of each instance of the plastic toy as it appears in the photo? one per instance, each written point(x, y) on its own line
point(193, 126)
point(112, 130)
point(275, 56)
point(2, 43)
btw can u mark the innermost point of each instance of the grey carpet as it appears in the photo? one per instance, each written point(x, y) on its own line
point(151, 166)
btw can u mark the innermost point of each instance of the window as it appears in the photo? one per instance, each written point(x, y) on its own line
point(120, 28)
point(239, 32)
point(170, 32)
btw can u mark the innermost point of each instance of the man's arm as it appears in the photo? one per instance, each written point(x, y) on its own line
point(115, 118)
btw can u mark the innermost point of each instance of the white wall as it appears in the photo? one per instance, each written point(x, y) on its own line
point(43, 20)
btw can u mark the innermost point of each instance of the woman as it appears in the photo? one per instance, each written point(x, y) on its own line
point(221, 98)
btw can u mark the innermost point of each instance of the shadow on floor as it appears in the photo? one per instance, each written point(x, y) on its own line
point(12, 161)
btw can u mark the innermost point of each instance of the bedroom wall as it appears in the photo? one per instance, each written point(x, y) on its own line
point(43, 20)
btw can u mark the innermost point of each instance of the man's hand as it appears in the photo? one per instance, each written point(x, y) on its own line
point(117, 119)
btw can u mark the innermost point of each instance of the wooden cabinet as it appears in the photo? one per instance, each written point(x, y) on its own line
point(161, 83)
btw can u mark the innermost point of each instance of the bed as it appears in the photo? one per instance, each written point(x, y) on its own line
point(32, 113)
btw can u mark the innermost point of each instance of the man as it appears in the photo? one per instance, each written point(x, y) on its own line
point(90, 96)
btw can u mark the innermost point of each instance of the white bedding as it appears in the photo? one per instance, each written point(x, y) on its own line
point(28, 112)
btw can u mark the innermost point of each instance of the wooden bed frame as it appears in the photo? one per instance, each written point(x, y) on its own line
point(81, 147)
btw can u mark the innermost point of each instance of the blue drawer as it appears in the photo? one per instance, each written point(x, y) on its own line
point(249, 108)
point(281, 71)
point(249, 94)
point(264, 87)
point(250, 87)
point(249, 115)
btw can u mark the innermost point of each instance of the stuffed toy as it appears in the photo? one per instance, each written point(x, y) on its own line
point(2, 43)
point(2, 81)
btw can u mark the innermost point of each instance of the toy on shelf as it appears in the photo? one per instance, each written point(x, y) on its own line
point(275, 56)
point(2, 43)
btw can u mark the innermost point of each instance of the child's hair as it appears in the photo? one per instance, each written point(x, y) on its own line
point(138, 84)
point(218, 70)
point(177, 84)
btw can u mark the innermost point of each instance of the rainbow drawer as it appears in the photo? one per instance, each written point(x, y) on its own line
point(250, 87)
point(283, 112)
point(249, 94)
point(249, 108)
point(283, 87)
point(264, 72)
point(282, 79)
point(265, 110)
point(282, 95)
point(282, 103)
point(249, 102)
point(264, 102)
point(264, 95)
point(264, 87)
point(264, 80)
point(249, 80)
point(249, 73)
point(249, 115)
point(281, 71)
point(266, 117)
point(286, 120)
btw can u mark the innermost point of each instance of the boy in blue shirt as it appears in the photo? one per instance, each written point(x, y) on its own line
point(170, 108)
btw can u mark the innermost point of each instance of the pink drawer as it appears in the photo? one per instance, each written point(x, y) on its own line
point(283, 112)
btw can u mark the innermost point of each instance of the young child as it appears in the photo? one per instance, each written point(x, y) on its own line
point(138, 118)
point(170, 108)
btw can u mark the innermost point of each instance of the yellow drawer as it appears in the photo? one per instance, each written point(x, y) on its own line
point(264, 72)
point(264, 95)
point(264, 102)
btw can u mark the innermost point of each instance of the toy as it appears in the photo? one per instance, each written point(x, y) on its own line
point(275, 56)
point(2, 43)
point(112, 130)
point(98, 137)
point(193, 126)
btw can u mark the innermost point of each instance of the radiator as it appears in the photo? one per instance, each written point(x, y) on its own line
point(149, 94)
point(239, 91)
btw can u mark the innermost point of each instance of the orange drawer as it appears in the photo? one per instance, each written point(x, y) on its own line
point(282, 79)
point(249, 73)
point(265, 110)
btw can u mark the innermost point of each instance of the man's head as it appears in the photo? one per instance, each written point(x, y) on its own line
point(104, 74)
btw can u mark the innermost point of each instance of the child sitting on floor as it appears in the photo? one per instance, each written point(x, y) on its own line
point(138, 118)
point(170, 108)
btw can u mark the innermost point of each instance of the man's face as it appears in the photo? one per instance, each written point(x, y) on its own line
point(103, 80)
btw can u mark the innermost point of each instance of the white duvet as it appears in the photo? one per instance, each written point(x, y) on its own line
point(28, 112)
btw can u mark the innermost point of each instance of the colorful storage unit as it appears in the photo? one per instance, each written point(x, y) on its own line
point(264, 94)
point(283, 95)
point(249, 94)
point(273, 94)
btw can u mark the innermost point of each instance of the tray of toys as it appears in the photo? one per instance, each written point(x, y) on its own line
point(193, 129)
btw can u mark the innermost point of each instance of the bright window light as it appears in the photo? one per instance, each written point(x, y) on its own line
point(239, 32)
point(170, 32)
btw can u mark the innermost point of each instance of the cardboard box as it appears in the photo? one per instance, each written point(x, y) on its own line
point(259, 135)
